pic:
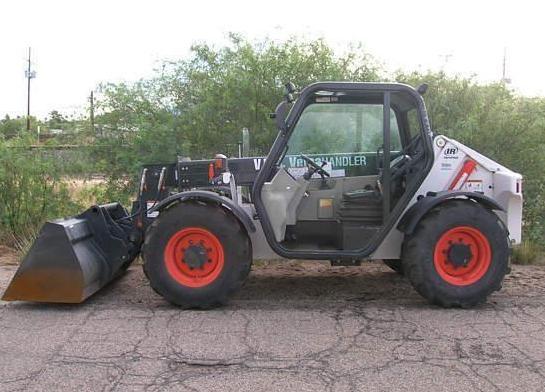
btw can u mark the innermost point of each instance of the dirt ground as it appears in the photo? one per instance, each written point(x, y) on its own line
point(8, 256)
point(297, 326)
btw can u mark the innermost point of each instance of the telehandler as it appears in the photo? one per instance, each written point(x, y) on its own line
point(355, 173)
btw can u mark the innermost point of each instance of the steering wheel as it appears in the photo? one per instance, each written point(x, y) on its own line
point(398, 166)
point(313, 167)
point(404, 161)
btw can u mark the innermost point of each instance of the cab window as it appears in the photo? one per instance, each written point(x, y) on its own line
point(346, 135)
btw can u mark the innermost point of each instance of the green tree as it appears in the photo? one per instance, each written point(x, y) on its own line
point(197, 106)
point(56, 120)
point(219, 91)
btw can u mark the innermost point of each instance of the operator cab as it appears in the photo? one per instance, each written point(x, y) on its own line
point(348, 157)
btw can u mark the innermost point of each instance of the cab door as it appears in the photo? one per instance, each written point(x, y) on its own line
point(352, 135)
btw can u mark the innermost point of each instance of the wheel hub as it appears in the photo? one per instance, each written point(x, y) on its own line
point(459, 255)
point(462, 255)
point(195, 256)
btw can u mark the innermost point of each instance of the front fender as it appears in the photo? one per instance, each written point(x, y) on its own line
point(417, 211)
point(208, 197)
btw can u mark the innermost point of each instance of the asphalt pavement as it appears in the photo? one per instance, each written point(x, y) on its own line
point(294, 327)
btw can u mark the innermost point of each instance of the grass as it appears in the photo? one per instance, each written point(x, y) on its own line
point(21, 243)
point(528, 253)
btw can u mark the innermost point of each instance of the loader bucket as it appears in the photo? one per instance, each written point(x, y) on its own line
point(75, 257)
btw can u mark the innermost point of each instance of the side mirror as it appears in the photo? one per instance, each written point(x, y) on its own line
point(291, 90)
point(422, 89)
point(281, 111)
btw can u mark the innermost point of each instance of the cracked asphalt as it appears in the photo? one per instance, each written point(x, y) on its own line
point(294, 327)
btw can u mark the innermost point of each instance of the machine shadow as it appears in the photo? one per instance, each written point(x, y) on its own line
point(272, 288)
point(286, 285)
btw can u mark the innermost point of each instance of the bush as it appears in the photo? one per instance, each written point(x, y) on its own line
point(31, 190)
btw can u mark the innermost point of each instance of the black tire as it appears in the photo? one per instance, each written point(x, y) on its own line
point(394, 264)
point(235, 243)
point(418, 254)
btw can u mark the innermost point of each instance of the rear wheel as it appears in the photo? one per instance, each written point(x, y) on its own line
point(457, 255)
point(196, 255)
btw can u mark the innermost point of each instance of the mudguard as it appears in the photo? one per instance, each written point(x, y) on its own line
point(207, 197)
point(413, 215)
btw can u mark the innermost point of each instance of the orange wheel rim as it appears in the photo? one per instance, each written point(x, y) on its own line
point(462, 256)
point(194, 257)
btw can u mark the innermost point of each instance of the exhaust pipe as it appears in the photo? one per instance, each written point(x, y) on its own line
point(73, 258)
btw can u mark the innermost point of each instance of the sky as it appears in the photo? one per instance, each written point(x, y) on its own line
point(78, 44)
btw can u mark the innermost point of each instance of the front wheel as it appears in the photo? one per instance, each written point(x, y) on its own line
point(196, 255)
point(457, 255)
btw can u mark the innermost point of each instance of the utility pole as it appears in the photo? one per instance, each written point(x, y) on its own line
point(92, 113)
point(504, 77)
point(29, 75)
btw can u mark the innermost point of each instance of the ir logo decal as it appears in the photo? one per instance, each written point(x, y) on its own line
point(450, 152)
